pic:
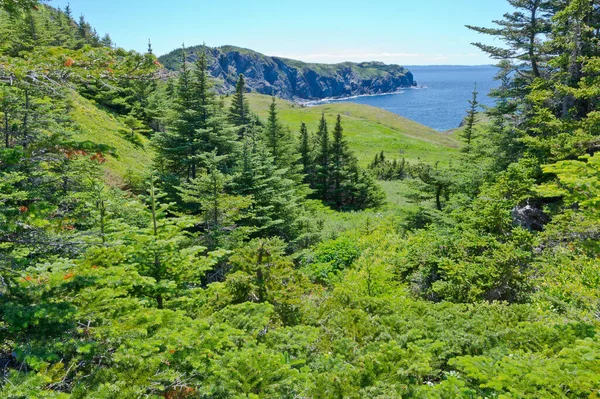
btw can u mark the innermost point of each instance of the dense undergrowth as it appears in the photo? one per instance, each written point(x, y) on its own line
point(206, 251)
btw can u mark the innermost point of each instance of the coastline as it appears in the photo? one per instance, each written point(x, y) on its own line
point(312, 103)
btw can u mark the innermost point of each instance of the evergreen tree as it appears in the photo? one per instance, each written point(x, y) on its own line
point(468, 134)
point(106, 41)
point(220, 210)
point(322, 161)
point(522, 31)
point(434, 181)
point(215, 133)
point(341, 159)
point(276, 200)
point(68, 11)
point(239, 112)
point(307, 159)
point(178, 146)
point(280, 143)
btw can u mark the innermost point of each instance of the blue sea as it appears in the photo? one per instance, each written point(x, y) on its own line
point(441, 99)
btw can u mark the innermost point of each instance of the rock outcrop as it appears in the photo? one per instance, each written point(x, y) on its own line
point(295, 80)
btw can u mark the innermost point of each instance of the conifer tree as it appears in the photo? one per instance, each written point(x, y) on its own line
point(522, 31)
point(322, 161)
point(220, 210)
point(468, 134)
point(305, 150)
point(215, 133)
point(280, 143)
point(276, 200)
point(178, 146)
point(340, 160)
point(239, 112)
point(68, 11)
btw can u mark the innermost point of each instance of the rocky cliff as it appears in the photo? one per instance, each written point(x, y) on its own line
point(295, 80)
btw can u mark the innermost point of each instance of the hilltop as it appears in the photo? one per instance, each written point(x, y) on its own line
point(292, 79)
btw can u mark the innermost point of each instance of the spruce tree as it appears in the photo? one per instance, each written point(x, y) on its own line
point(468, 134)
point(305, 150)
point(280, 143)
point(239, 112)
point(68, 11)
point(322, 161)
point(215, 132)
point(341, 159)
point(220, 210)
point(522, 31)
point(177, 147)
point(276, 201)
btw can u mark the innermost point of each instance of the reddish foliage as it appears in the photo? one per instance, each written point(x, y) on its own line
point(69, 276)
point(69, 62)
point(98, 157)
point(158, 64)
point(70, 154)
point(23, 209)
point(180, 393)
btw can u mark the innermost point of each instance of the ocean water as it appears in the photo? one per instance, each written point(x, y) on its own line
point(441, 99)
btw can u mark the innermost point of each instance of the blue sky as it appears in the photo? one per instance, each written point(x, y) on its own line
point(416, 32)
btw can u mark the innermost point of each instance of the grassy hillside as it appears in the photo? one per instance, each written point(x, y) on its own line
point(99, 129)
point(369, 130)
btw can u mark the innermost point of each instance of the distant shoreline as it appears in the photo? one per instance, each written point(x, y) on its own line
point(313, 103)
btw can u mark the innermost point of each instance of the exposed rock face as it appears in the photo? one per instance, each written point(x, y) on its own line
point(295, 80)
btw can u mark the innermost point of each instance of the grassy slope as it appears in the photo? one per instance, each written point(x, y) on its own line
point(100, 128)
point(369, 130)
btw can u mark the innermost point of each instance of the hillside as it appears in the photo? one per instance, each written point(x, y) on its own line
point(369, 130)
point(99, 129)
point(291, 79)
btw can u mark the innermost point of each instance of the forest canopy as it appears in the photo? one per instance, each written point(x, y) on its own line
point(252, 258)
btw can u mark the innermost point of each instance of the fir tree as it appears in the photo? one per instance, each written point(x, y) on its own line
point(322, 161)
point(305, 150)
point(215, 133)
point(280, 143)
point(220, 210)
point(178, 146)
point(468, 134)
point(106, 41)
point(239, 112)
point(521, 31)
point(68, 11)
point(341, 158)
point(276, 201)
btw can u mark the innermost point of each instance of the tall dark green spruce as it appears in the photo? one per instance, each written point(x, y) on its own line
point(322, 161)
point(178, 146)
point(215, 133)
point(341, 160)
point(307, 159)
point(280, 142)
point(276, 199)
point(239, 112)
